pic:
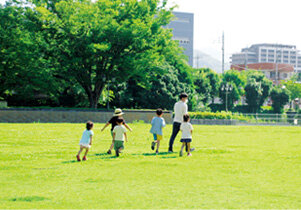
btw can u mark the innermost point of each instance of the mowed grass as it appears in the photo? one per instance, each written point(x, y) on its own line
point(232, 167)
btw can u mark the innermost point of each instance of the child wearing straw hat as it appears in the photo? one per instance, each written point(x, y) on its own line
point(113, 121)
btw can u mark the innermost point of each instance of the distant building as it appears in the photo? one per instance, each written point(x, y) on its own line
point(183, 32)
point(285, 71)
point(268, 53)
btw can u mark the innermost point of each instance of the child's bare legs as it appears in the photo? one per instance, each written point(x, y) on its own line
point(188, 149)
point(80, 150)
point(158, 145)
point(87, 150)
point(111, 147)
point(181, 152)
point(78, 154)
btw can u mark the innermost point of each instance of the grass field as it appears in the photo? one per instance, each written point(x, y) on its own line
point(232, 167)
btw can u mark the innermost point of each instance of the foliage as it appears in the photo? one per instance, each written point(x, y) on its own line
point(219, 115)
point(94, 43)
point(294, 88)
point(257, 90)
point(206, 83)
point(23, 72)
point(162, 90)
point(280, 97)
point(237, 81)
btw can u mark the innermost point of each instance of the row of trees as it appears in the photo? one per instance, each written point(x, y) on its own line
point(82, 53)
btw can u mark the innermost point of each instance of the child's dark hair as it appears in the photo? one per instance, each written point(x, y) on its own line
point(183, 95)
point(119, 120)
point(159, 112)
point(186, 117)
point(89, 125)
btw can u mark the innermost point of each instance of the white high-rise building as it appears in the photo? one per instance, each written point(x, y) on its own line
point(269, 53)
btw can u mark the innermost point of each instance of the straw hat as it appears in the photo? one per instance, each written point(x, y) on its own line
point(118, 112)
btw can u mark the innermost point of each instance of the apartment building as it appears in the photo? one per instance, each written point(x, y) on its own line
point(183, 31)
point(268, 53)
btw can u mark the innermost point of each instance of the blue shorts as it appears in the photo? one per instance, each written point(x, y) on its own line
point(186, 140)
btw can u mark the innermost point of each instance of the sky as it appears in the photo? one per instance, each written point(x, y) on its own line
point(244, 22)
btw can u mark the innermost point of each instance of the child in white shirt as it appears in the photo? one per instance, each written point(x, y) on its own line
point(119, 135)
point(186, 139)
point(86, 141)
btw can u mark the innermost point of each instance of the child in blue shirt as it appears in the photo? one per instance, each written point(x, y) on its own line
point(158, 123)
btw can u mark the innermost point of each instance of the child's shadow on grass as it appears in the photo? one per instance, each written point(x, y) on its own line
point(101, 154)
point(153, 154)
point(69, 161)
point(105, 156)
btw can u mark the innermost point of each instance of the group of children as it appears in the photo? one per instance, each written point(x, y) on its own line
point(118, 133)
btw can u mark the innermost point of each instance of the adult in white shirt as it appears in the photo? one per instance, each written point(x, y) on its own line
point(180, 109)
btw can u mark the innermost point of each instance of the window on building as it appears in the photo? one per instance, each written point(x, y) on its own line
point(182, 20)
point(284, 75)
point(272, 75)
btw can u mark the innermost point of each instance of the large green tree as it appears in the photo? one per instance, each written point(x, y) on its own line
point(24, 73)
point(280, 97)
point(237, 82)
point(93, 43)
point(294, 88)
point(257, 90)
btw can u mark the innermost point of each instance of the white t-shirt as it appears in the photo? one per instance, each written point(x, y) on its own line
point(119, 131)
point(86, 137)
point(186, 129)
point(180, 109)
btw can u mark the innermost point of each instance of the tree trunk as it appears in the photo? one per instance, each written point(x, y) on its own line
point(94, 96)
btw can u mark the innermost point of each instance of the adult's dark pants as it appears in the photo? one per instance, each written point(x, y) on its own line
point(175, 131)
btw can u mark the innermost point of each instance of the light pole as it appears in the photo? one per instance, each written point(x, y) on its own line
point(227, 88)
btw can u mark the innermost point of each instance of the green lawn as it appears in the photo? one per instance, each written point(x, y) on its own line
point(232, 167)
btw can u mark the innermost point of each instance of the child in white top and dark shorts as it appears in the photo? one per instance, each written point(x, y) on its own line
point(186, 139)
point(86, 141)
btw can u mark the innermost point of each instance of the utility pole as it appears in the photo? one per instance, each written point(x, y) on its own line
point(223, 53)
point(246, 59)
point(277, 64)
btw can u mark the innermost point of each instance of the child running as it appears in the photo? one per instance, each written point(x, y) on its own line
point(113, 121)
point(86, 141)
point(186, 139)
point(158, 123)
point(119, 134)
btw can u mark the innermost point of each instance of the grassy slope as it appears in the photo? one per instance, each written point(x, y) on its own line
point(233, 167)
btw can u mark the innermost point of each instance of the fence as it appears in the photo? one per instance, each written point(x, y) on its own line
point(81, 116)
point(290, 119)
point(73, 116)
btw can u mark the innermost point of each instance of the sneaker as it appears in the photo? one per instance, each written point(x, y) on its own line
point(157, 152)
point(84, 158)
point(189, 154)
point(109, 152)
point(117, 153)
point(78, 158)
point(181, 153)
point(153, 145)
point(192, 149)
point(170, 151)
